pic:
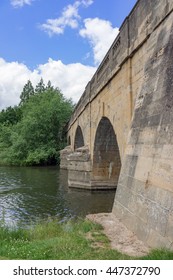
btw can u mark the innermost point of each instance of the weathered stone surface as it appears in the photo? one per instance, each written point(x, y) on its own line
point(80, 154)
point(63, 157)
point(157, 240)
point(126, 120)
point(79, 168)
point(151, 189)
point(79, 179)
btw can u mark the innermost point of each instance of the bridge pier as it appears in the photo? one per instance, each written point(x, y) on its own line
point(80, 171)
point(78, 164)
point(79, 168)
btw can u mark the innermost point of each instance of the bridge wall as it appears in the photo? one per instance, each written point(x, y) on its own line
point(144, 197)
point(126, 55)
point(132, 88)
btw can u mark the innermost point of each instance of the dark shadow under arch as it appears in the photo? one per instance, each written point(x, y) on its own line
point(106, 157)
point(69, 140)
point(79, 140)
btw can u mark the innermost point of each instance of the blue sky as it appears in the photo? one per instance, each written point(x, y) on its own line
point(60, 40)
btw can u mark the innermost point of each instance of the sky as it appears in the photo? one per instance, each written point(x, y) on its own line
point(63, 41)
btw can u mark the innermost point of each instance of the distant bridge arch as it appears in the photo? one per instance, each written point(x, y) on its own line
point(69, 140)
point(79, 139)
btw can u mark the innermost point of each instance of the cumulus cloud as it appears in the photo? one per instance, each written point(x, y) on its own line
point(20, 3)
point(70, 78)
point(70, 17)
point(12, 78)
point(100, 34)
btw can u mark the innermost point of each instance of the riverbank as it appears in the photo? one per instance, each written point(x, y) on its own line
point(73, 240)
point(120, 237)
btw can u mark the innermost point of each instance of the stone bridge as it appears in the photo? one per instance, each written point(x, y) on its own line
point(121, 132)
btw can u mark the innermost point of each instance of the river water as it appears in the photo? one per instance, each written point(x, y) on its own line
point(28, 194)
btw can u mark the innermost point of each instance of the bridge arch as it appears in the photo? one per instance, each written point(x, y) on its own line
point(79, 139)
point(106, 155)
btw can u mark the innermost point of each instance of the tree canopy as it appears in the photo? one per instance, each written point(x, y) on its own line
point(31, 133)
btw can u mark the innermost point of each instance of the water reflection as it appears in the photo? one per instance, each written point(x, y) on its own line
point(29, 194)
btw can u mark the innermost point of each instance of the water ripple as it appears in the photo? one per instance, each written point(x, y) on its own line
point(30, 194)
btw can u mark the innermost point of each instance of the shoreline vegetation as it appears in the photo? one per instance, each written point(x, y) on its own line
point(33, 132)
point(72, 240)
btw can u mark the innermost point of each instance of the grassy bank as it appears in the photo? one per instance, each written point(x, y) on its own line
point(65, 241)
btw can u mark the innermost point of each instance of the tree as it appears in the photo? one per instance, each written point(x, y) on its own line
point(10, 115)
point(40, 87)
point(49, 86)
point(27, 92)
point(36, 138)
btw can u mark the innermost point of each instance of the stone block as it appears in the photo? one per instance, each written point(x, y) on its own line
point(79, 165)
point(79, 179)
point(161, 175)
point(167, 152)
point(155, 240)
point(138, 206)
point(157, 217)
point(148, 136)
point(129, 165)
point(143, 168)
point(164, 198)
point(125, 180)
point(123, 195)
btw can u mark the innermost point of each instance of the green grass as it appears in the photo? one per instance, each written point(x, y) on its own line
point(52, 240)
point(159, 254)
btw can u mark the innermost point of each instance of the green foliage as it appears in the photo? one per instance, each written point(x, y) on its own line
point(10, 115)
point(40, 87)
point(27, 92)
point(53, 240)
point(31, 134)
point(72, 240)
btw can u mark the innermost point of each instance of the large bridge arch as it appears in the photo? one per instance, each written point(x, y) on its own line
point(106, 155)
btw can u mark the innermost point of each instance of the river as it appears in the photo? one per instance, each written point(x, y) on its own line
point(29, 194)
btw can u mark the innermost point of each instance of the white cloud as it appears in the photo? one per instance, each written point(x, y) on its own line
point(101, 35)
point(87, 3)
point(70, 17)
point(20, 3)
point(12, 78)
point(70, 78)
